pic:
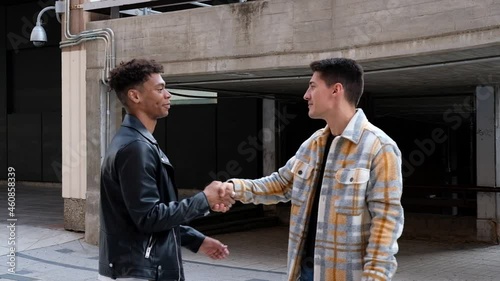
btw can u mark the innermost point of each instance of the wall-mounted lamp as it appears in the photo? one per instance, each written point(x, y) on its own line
point(38, 34)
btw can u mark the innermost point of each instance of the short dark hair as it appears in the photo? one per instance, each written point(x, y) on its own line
point(344, 71)
point(131, 74)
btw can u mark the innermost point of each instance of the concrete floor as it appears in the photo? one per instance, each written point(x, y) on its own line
point(45, 251)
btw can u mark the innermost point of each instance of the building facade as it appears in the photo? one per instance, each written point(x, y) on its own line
point(432, 76)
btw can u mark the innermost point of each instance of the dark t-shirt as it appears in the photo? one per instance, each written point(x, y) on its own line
point(313, 220)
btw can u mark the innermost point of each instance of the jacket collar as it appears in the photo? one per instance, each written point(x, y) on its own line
point(353, 130)
point(133, 122)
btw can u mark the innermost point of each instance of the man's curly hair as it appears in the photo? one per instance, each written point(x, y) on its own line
point(131, 74)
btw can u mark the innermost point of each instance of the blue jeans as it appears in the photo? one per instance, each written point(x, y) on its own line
point(306, 273)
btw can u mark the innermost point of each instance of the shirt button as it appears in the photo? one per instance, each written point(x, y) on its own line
point(300, 172)
point(351, 179)
point(110, 265)
point(159, 267)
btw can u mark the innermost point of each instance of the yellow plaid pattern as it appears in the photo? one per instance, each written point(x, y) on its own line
point(360, 216)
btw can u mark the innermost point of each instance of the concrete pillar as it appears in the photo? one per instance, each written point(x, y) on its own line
point(96, 99)
point(74, 144)
point(488, 161)
point(269, 155)
point(269, 136)
point(93, 102)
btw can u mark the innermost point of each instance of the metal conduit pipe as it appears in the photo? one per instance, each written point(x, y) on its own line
point(39, 18)
point(110, 36)
point(82, 39)
point(65, 44)
point(103, 79)
point(109, 64)
point(107, 35)
point(108, 32)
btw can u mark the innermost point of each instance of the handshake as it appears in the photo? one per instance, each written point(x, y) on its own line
point(220, 196)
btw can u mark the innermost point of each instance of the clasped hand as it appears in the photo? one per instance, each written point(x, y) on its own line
point(220, 196)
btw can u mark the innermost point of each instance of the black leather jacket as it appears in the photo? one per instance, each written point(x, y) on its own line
point(141, 219)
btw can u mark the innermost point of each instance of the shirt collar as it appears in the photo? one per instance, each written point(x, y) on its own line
point(353, 130)
point(133, 122)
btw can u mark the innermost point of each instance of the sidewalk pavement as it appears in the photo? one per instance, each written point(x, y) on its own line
point(257, 255)
point(47, 252)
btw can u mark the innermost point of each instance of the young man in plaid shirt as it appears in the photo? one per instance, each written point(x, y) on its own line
point(344, 184)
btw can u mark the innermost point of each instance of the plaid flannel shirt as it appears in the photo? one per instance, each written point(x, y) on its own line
point(360, 216)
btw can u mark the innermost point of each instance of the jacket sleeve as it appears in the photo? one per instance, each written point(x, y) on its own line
point(384, 204)
point(191, 238)
point(137, 168)
point(267, 190)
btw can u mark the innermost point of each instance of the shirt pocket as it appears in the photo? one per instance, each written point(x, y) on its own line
point(351, 188)
point(302, 173)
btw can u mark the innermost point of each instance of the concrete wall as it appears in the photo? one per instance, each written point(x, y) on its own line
point(283, 33)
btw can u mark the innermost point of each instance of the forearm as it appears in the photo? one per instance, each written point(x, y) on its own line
point(162, 216)
point(191, 238)
point(267, 190)
point(260, 192)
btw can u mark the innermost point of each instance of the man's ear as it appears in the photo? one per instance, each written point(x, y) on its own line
point(133, 96)
point(337, 89)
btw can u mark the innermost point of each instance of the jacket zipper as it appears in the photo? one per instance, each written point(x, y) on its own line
point(151, 242)
point(177, 255)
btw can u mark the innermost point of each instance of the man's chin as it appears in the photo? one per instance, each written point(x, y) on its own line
point(163, 115)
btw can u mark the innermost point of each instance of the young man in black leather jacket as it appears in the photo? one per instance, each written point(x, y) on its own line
point(141, 216)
